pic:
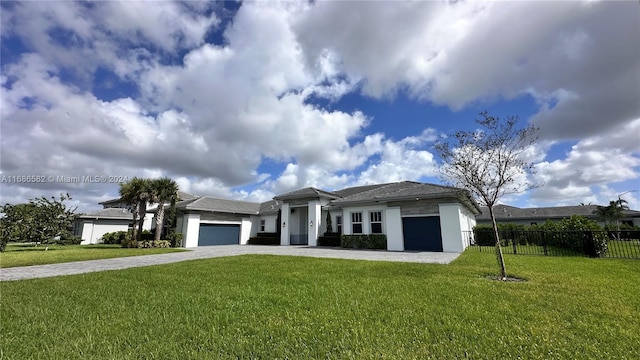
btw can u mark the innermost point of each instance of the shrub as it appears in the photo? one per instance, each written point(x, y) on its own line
point(329, 239)
point(370, 241)
point(264, 240)
point(175, 239)
point(68, 239)
point(3, 244)
point(146, 244)
point(576, 233)
point(147, 235)
point(267, 234)
point(115, 237)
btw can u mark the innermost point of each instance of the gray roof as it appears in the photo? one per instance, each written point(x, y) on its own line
point(270, 207)
point(399, 190)
point(186, 196)
point(207, 203)
point(356, 190)
point(506, 212)
point(181, 196)
point(110, 213)
point(308, 192)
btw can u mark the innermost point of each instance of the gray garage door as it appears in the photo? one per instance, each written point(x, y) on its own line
point(216, 234)
point(422, 233)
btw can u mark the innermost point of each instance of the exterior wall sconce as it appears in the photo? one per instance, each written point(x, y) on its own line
point(284, 224)
point(311, 223)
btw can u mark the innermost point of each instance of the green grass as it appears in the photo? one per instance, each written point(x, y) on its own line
point(27, 254)
point(260, 306)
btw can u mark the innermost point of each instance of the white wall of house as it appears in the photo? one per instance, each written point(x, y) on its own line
point(452, 218)
point(313, 220)
point(285, 224)
point(190, 229)
point(245, 230)
point(347, 228)
point(269, 224)
point(395, 235)
point(467, 223)
point(92, 229)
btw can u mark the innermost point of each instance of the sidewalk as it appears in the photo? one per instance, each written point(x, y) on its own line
point(81, 267)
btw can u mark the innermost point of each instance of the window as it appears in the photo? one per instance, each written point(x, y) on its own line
point(376, 222)
point(262, 224)
point(339, 224)
point(356, 223)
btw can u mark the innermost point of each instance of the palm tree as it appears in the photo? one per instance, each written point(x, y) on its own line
point(612, 213)
point(132, 192)
point(162, 190)
point(145, 196)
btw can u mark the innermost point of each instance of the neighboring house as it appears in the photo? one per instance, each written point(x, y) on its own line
point(414, 216)
point(90, 227)
point(115, 216)
point(532, 216)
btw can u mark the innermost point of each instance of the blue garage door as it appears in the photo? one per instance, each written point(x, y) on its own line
point(422, 233)
point(216, 234)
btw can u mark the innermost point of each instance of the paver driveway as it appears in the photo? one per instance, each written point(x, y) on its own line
point(80, 267)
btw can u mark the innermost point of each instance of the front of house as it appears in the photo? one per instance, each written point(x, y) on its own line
point(413, 216)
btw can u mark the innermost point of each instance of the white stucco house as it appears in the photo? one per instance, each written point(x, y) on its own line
point(115, 215)
point(91, 226)
point(413, 216)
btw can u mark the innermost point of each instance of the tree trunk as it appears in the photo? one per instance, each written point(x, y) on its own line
point(159, 221)
point(172, 217)
point(142, 214)
point(134, 229)
point(500, 258)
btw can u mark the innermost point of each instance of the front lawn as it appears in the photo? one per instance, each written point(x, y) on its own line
point(28, 254)
point(261, 306)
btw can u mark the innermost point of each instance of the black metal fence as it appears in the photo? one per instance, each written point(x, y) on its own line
point(607, 244)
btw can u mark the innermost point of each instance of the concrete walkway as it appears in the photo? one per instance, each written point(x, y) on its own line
point(81, 267)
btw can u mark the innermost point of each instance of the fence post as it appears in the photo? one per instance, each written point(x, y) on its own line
point(544, 243)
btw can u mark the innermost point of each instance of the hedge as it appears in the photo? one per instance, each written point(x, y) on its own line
point(368, 241)
point(576, 233)
point(264, 238)
point(330, 239)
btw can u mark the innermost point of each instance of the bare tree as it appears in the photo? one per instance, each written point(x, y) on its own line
point(490, 163)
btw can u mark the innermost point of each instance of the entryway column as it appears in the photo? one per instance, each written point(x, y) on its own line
point(315, 211)
point(285, 211)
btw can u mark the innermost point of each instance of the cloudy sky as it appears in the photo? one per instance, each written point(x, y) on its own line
point(249, 100)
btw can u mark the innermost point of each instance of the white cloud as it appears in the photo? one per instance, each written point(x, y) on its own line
point(211, 118)
point(593, 162)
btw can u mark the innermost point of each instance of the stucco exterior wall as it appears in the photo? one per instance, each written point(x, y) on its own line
point(269, 223)
point(395, 235)
point(92, 230)
point(285, 224)
point(347, 229)
point(190, 229)
point(245, 230)
point(417, 207)
point(452, 218)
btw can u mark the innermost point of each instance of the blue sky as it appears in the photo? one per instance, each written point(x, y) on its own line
point(249, 100)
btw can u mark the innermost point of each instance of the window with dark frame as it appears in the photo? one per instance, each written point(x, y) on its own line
point(376, 222)
point(262, 224)
point(339, 224)
point(356, 223)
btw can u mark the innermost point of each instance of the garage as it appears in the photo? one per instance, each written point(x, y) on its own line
point(422, 233)
point(218, 234)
